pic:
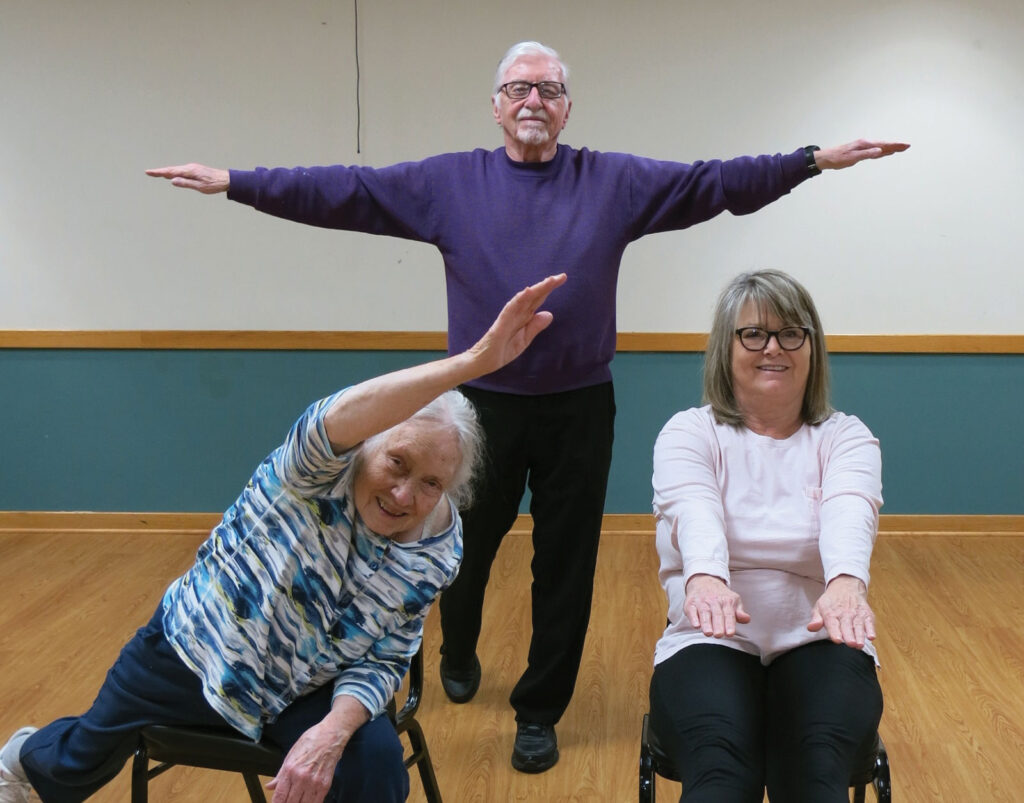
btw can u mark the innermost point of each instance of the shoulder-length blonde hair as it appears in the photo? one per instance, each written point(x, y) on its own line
point(780, 294)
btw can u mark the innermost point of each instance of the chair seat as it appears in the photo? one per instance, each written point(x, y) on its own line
point(874, 771)
point(213, 749)
point(662, 763)
point(865, 773)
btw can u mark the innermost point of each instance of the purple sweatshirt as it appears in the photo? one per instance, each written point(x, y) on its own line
point(501, 225)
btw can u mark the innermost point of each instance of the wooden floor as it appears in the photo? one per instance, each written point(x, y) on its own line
point(950, 639)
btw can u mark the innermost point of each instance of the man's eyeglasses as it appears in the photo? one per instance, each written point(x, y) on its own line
point(520, 90)
point(789, 338)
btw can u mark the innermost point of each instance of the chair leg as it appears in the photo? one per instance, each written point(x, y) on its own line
point(647, 790)
point(858, 794)
point(882, 782)
point(140, 774)
point(421, 758)
point(252, 783)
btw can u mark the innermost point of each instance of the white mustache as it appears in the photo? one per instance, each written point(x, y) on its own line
point(535, 114)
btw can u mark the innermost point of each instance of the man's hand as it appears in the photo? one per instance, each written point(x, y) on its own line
point(207, 180)
point(840, 156)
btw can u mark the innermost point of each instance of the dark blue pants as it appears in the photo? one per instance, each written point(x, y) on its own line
point(71, 758)
point(797, 727)
point(560, 445)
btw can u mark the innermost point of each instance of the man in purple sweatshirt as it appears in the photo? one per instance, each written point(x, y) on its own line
point(504, 219)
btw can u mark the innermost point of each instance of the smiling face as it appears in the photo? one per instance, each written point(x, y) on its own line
point(532, 125)
point(769, 383)
point(403, 478)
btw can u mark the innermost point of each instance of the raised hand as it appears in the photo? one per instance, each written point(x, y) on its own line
point(516, 326)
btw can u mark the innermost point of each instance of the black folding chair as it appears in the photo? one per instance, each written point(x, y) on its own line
point(230, 751)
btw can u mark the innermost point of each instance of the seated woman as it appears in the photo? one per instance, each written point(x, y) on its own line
point(766, 503)
point(305, 605)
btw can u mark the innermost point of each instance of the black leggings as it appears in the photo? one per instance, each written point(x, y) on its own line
point(797, 727)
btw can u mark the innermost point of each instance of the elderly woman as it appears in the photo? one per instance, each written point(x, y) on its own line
point(766, 502)
point(306, 604)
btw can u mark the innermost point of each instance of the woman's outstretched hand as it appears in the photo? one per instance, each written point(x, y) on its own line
point(844, 612)
point(712, 607)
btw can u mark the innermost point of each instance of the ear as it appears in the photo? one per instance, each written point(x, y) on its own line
point(568, 109)
point(496, 108)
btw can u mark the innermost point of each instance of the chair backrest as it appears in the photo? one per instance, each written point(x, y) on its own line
point(414, 692)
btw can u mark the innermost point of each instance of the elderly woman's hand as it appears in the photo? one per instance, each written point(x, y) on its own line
point(844, 612)
point(712, 607)
point(516, 326)
point(308, 770)
point(379, 403)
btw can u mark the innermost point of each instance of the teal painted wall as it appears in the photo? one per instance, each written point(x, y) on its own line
point(127, 430)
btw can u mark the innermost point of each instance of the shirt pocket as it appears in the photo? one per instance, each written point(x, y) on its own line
point(812, 499)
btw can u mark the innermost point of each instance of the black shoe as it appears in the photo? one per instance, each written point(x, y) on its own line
point(536, 747)
point(460, 684)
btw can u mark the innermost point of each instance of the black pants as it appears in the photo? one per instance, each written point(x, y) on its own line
point(797, 727)
point(560, 444)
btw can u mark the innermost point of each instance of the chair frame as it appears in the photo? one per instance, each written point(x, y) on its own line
point(229, 751)
point(653, 761)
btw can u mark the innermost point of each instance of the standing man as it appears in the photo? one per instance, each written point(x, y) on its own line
point(503, 219)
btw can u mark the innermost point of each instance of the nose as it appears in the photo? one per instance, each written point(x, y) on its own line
point(768, 345)
point(533, 100)
point(403, 491)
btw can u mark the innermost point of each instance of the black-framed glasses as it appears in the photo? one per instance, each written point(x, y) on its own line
point(789, 338)
point(520, 90)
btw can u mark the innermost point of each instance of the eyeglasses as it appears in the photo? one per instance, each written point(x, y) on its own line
point(520, 90)
point(789, 338)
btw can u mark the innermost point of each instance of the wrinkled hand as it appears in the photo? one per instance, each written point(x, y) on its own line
point(844, 612)
point(840, 156)
point(308, 769)
point(516, 326)
point(207, 180)
point(712, 607)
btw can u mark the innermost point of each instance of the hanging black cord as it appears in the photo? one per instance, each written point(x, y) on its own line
point(359, 115)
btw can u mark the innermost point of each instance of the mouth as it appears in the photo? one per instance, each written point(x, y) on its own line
point(773, 368)
point(383, 509)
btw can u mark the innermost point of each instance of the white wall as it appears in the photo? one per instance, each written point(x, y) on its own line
point(95, 92)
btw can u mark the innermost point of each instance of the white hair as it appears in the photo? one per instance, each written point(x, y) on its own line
point(528, 49)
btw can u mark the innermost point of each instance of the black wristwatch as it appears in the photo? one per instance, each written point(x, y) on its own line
point(812, 166)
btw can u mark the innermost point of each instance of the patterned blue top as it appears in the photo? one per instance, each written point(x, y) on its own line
point(292, 590)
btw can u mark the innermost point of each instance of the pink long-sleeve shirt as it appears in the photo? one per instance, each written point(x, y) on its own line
point(775, 519)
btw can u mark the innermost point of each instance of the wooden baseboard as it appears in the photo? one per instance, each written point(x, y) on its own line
point(614, 523)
